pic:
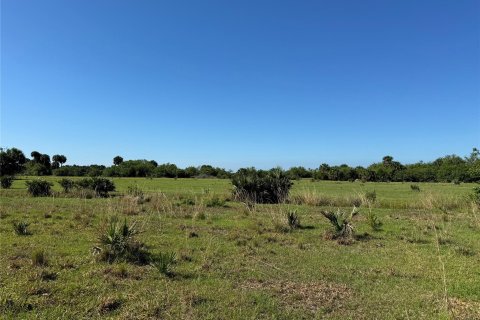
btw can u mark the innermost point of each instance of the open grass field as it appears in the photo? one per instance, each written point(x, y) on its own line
point(240, 262)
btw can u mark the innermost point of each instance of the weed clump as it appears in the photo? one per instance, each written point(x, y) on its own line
point(373, 221)
point(415, 187)
point(341, 221)
point(21, 228)
point(39, 188)
point(39, 258)
point(118, 243)
point(260, 186)
point(293, 220)
point(164, 262)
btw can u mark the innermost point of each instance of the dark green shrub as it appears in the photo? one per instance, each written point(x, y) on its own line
point(21, 228)
point(475, 196)
point(101, 186)
point(39, 187)
point(415, 187)
point(255, 186)
point(66, 184)
point(6, 182)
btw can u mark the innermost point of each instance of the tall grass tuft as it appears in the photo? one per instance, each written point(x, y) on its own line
point(164, 262)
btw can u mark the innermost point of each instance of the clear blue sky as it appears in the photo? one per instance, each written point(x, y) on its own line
point(241, 83)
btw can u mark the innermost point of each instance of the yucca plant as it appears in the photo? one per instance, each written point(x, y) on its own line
point(341, 221)
point(164, 262)
point(21, 228)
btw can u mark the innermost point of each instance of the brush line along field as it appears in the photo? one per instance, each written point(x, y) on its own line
point(187, 249)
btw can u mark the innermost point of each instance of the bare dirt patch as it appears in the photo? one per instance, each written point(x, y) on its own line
point(308, 296)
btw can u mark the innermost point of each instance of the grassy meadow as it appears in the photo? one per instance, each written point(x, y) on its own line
point(237, 261)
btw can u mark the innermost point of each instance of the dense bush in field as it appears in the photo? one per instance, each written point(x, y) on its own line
point(261, 186)
point(39, 188)
point(101, 186)
point(6, 182)
point(66, 184)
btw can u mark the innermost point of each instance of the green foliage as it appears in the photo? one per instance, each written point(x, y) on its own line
point(164, 262)
point(415, 187)
point(341, 222)
point(373, 221)
point(261, 186)
point(39, 187)
point(117, 160)
point(475, 196)
point(66, 184)
point(118, 243)
point(101, 186)
point(21, 228)
point(371, 196)
point(39, 258)
point(293, 220)
point(215, 201)
point(12, 161)
point(6, 182)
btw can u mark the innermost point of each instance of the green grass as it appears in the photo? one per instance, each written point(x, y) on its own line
point(235, 264)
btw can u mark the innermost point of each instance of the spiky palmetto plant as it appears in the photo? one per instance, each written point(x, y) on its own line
point(118, 243)
point(293, 220)
point(342, 222)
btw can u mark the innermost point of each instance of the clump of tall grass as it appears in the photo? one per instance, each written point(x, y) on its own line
point(313, 198)
point(39, 258)
point(164, 262)
point(118, 243)
point(341, 221)
point(21, 228)
point(373, 221)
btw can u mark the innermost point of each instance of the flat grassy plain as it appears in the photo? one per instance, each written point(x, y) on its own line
point(234, 262)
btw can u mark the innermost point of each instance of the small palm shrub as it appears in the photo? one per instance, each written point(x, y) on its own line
point(374, 221)
point(342, 224)
point(118, 243)
point(415, 187)
point(21, 228)
point(255, 186)
point(66, 184)
point(164, 262)
point(6, 182)
point(293, 220)
point(39, 187)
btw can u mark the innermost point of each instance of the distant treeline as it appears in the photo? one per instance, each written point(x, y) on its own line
point(451, 168)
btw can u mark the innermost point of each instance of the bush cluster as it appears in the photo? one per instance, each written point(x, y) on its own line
point(259, 186)
point(39, 187)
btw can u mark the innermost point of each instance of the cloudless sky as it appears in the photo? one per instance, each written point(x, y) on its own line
point(241, 83)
